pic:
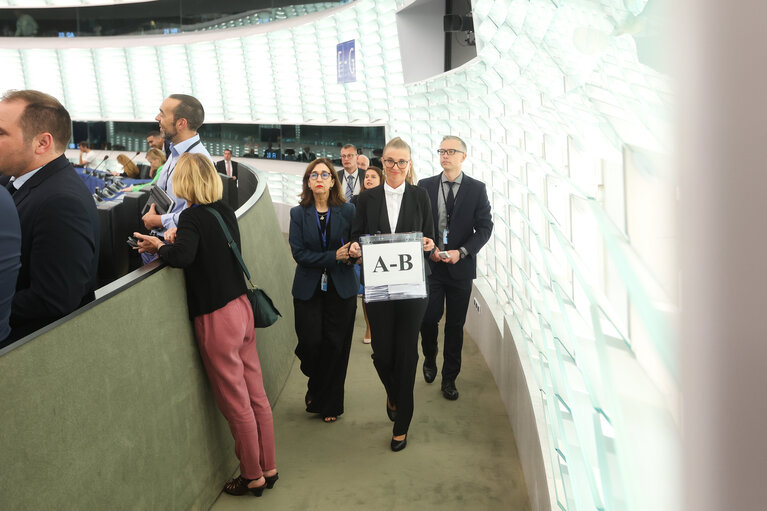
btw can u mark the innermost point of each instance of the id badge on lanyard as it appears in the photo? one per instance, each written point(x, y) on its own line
point(324, 282)
point(444, 237)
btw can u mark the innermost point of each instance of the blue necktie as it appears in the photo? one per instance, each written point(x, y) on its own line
point(349, 187)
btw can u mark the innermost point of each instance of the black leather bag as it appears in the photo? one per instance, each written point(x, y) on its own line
point(264, 312)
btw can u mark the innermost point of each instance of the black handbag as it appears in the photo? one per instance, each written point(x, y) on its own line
point(264, 312)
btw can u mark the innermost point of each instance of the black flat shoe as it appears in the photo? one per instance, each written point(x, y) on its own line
point(398, 445)
point(429, 370)
point(449, 390)
point(391, 413)
point(239, 486)
point(271, 480)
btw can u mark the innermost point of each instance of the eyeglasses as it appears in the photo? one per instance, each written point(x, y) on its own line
point(401, 164)
point(449, 152)
point(313, 176)
point(353, 155)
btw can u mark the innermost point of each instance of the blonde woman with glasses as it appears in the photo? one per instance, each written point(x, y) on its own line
point(397, 206)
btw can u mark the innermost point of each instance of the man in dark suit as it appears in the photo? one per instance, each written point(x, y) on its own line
point(349, 177)
point(59, 221)
point(463, 224)
point(226, 166)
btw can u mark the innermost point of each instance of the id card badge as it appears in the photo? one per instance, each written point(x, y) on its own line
point(324, 282)
point(444, 238)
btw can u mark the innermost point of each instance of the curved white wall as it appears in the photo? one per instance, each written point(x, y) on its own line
point(567, 118)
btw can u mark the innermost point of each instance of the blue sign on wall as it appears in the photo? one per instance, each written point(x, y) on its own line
point(346, 62)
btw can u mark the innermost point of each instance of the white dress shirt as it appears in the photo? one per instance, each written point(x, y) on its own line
point(393, 203)
point(358, 177)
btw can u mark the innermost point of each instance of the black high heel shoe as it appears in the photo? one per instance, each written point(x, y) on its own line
point(239, 486)
point(271, 480)
point(398, 445)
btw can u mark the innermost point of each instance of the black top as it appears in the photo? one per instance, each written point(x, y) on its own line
point(213, 275)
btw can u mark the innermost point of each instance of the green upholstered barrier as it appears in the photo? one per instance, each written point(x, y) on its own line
point(110, 408)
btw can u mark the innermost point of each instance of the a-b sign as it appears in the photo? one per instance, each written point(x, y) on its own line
point(393, 263)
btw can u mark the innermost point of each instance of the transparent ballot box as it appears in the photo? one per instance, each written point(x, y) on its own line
point(393, 266)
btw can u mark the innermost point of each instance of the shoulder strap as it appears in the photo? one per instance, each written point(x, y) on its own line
point(231, 242)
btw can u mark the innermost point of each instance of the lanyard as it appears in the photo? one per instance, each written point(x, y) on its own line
point(444, 201)
point(323, 232)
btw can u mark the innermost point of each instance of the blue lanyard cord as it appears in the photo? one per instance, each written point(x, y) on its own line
point(323, 232)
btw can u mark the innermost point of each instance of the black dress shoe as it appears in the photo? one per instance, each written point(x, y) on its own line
point(449, 390)
point(429, 370)
point(398, 445)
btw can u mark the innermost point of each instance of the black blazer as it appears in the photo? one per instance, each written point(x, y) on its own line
point(59, 247)
point(373, 215)
point(471, 225)
point(307, 250)
point(221, 167)
point(213, 276)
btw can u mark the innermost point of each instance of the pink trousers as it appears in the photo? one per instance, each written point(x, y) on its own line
point(227, 342)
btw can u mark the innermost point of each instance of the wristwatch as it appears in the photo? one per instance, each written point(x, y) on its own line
point(463, 252)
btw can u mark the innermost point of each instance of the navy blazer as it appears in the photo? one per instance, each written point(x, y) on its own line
point(59, 247)
point(373, 215)
point(471, 223)
point(306, 246)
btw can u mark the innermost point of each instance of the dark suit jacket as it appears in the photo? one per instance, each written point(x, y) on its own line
point(471, 223)
point(307, 250)
point(373, 215)
point(221, 167)
point(59, 247)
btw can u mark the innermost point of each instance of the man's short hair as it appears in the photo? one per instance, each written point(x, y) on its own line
point(43, 113)
point(154, 133)
point(84, 143)
point(349, 146)
point(227, 149)
point(453, 137)
point(190, 109)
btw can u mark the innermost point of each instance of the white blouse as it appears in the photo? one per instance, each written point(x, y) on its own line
point(393, 203)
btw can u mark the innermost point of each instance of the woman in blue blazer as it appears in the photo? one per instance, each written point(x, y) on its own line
point(324, 287)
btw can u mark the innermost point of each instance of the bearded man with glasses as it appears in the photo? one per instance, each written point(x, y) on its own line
point(463, 224)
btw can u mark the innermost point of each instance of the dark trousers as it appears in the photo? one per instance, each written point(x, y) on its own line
point(324, 326)
point(394, 326)
point(455, 294)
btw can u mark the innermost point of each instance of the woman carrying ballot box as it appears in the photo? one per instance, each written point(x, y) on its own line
point(395, 207)
point(324, 287)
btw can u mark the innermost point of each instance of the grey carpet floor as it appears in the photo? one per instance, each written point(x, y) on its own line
point(461, 454)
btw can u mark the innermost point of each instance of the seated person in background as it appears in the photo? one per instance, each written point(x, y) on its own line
point(86, 154)
point(129, 168)
point(227, 166)
point(59, 221)
point(26, 26)
point(156, 159)
point(307, 155)
point(10, 252)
